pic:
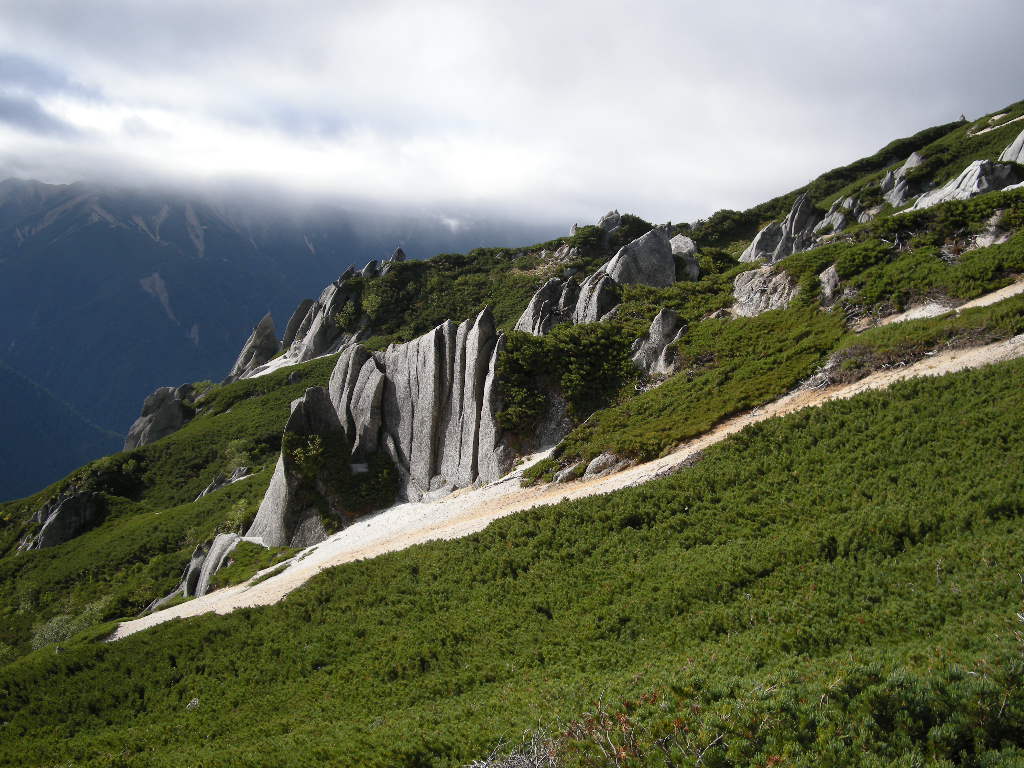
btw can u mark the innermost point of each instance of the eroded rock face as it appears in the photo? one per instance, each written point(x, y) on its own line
point(541, 313)
point(64, 517)
point(647, 261)
point(260, 347)
point(163, 413)
point(838, 215)
point(651, 352)
point(758, 291)
point(296, 320)
point(977, 178)
point(829, 280)
point(794, 234)
point(895, 187)
point(682, 246)
point(429, 405)
point(610, 221)
point(1015, 152)
point(597, 296)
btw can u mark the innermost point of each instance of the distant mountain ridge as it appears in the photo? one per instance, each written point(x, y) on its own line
point(106, 293)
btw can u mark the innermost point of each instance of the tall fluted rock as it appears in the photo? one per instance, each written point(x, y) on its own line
point(429, 406)
point(163, 413)
point(260, 347)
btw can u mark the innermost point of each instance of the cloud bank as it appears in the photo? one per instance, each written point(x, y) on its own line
point(550, 109)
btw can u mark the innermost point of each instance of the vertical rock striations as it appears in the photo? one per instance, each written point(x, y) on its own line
point(426, 408)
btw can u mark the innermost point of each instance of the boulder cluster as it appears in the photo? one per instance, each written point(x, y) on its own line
point(650, 259)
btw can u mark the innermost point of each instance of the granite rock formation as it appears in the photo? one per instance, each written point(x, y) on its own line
point(163, 413)
point(977, 178)
point(759, 290)
point(651, 352)
point(259, 348)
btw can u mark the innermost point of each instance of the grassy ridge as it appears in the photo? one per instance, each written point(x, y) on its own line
point(836, 586)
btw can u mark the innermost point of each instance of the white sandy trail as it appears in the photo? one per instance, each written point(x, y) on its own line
point(936, 308)
point(468, 511)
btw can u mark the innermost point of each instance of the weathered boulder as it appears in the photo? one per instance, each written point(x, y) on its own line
point(610, 221)
point(597, 295)
point(567, 298)
point(397, 256)
point(647, 261)
point(895, 186)
point(829, 280)
point(295, 322)
point(651, 352)
point(868, 214)
point(163, 413)
point(1014, 153)
point(837, 216)
point(370, 270)
point(62, 518)
point(348, 274)
point(977, 178)
point(682, 246)
point(760, 290)
point(261, 345)
point(319, 334)
point(540, 313)
point(222, 481)
point(604, 464)
point(794, 234)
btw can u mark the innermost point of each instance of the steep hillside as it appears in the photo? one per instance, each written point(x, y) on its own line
point(833, 586)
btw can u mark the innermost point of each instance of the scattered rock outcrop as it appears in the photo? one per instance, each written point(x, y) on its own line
point(651, 352)
point(838, 215)
point(260, 347)
point(206, 560)
point(760, 290)
point(647, 261)
point(895, 186)
point(604, 464)
point(318, 334)
point(977, 178)
point(598, 294)
point(794, 234)
point(62, 518)
point(682, 246)
point(684, 250)
point(298, 316)
point(829, 280)
point(163, 413)
point(397, 256)
point(610, 221)
point(222, 481)
point(1015, 152)
point(541, 312)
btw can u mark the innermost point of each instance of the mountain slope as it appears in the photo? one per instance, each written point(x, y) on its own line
point(834, 587)
point(867, 542)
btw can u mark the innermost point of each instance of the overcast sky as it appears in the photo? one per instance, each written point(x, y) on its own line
point(549, 109)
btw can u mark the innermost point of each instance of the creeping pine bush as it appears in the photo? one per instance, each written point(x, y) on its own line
point(837, 587)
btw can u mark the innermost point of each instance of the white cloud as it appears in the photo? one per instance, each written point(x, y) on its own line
point(549, 109)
